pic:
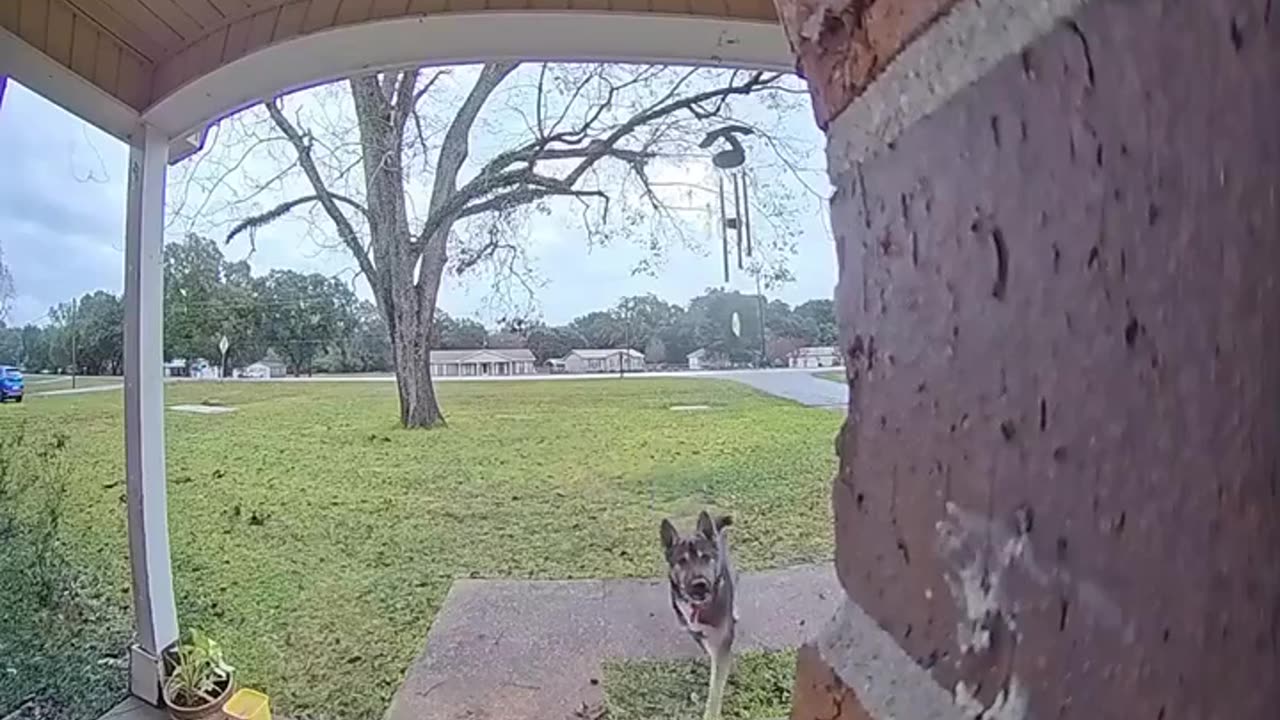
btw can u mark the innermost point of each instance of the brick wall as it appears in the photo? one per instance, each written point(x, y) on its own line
point(1058, 482)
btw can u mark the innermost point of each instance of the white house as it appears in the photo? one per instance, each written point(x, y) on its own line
point(265, 368)
point(814, 357)
point(202, 370)
point(603, 361)
point(703, 359)
point(482, 362)
point(176, 367)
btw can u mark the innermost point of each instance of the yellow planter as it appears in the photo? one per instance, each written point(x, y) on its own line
point(248, 705)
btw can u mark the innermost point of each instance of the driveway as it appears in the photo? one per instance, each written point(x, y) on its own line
point(802, 387)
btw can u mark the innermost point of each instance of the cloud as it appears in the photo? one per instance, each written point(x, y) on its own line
point(62, 204)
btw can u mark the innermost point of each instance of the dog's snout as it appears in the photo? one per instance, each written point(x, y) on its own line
point(699, 589)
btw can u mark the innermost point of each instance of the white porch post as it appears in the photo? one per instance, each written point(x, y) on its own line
point(155, 620)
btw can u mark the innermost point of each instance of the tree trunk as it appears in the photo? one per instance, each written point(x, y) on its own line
point(410, 353)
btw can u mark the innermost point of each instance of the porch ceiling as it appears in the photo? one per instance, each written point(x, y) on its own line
point(140, 53)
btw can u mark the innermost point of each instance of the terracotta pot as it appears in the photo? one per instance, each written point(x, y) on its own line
point(211, 709)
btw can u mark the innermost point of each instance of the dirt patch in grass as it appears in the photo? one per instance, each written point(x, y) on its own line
point(759, 688)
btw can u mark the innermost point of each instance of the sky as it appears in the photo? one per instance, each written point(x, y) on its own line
point(62, 201)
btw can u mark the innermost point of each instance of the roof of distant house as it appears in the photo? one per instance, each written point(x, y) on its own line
point(448, 357)
point(816, 350)
point(599, 354)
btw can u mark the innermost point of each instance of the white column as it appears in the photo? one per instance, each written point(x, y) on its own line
point(155, 620)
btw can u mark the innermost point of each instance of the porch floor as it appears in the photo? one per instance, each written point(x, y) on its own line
point(520, 650)
point(131, 708)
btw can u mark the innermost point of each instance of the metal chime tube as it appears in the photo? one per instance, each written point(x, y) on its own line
point(737, 213)
point(724, 231)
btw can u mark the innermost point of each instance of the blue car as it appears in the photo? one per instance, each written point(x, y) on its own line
point(11, 384)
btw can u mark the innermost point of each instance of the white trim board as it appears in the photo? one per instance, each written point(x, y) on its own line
point(463, 38)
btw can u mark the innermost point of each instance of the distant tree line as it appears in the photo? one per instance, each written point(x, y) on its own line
point(315, 323)
point(666, 333)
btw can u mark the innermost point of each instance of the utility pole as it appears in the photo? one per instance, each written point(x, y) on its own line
point(75, 365)
point(760, 303)
point(625, 355)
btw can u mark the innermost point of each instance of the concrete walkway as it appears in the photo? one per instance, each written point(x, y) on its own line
point(515, 650)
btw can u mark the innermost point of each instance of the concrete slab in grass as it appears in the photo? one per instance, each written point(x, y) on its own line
point(203, 409)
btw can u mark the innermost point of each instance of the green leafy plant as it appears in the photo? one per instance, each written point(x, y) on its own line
point(200, 673)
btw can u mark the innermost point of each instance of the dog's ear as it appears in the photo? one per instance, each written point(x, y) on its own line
point(724, 521)
point(706, 526)
point(669, 535)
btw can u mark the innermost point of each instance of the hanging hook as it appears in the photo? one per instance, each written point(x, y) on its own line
point(735, 155)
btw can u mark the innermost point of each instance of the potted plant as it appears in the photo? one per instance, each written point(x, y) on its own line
point(199, 681)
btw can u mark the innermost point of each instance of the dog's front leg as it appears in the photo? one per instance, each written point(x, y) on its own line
point(721, 663)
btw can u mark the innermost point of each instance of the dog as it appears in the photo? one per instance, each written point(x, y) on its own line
point(702, 595)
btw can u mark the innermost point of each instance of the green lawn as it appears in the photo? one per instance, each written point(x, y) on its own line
point(759, 688)
point(316, 540)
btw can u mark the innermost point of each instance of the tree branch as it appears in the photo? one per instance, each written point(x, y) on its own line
point(494, 177)
point(327, 200)
point(457, 140)
point(526, 195)
point(263, 219)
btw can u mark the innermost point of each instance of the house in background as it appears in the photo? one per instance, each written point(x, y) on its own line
point(704, 359)
point(176, 367)
point(265, 369)
point(482, 362)
point(604, 360)
point(820, 356)
point(555, 365)
point(201, 369)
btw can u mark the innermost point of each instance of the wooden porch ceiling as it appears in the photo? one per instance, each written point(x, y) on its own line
point(140, 51)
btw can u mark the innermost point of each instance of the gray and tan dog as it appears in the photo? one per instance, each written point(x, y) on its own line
point(702, 587)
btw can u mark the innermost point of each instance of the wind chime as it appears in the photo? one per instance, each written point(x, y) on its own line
point(729, 162)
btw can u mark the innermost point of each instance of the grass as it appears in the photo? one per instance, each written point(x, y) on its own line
point(316, 540)
point(55, 630)
point(759, 688)
point(833, 376)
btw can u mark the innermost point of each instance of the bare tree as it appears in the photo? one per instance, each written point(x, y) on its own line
point(590, 135)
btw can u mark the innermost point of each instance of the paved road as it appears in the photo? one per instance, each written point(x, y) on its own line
point(534, 650)
point(79, 390)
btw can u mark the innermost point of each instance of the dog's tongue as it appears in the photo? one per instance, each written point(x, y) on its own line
point(695, 609)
